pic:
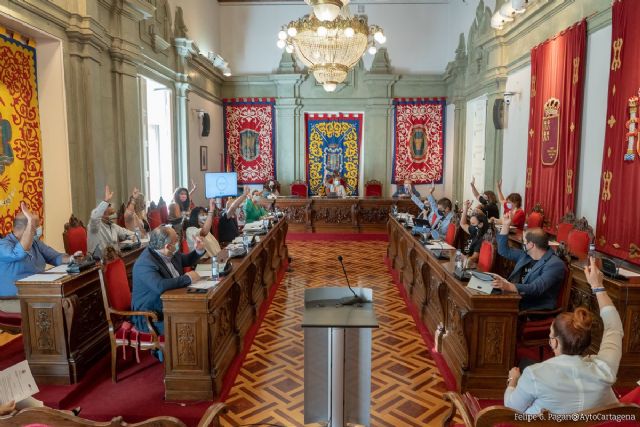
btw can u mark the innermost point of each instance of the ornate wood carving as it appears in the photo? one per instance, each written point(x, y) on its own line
point(296, 214)
point(374, 215)
point(44, 329)
point(186, 343)
point(334, 215)
point(634, 338)
point(494, 343)
point(455, 329)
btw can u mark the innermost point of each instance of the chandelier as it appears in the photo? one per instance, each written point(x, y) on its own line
point(330, 48)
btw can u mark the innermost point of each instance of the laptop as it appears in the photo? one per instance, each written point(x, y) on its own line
point(481, 282)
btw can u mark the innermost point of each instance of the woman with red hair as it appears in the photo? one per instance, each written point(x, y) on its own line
point(570, 382)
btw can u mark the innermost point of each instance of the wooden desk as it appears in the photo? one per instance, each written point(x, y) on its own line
point(204, 332)
point(64, 324)
point(481, 329)
point(353, 215)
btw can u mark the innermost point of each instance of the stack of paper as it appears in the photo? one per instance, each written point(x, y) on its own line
point(17, 383)
point(43, 277)
point(204, 284)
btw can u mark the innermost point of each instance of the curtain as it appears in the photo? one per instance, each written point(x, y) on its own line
point(618, 228)
point(21, 178)
point(557, 81)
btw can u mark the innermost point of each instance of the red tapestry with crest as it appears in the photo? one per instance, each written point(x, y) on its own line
point(249, 135)
point(418, 149)
point(618, 227)
point(557, 81)
point(21, 177)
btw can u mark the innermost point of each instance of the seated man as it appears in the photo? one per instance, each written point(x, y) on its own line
point(406, 190)
point(441, 214)
point(252, 210)
point(228, 225)
point(23, 254)
point(102, 230)
point(538, 274)
point(160, 268)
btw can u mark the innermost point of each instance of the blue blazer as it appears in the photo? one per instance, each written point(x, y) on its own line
point(151, 278)
point(541, 286)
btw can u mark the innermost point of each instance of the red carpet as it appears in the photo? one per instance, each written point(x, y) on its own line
point(139, 392)
point(359, 237)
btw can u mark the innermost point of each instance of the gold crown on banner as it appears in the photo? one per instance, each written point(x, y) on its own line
point(633, 101)
point(552, 107)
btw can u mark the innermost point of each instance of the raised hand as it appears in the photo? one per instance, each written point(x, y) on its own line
point(212, 206)
point(108, 194)
point(25, 210)
point(500, 183)
point(433, 187)
point(473, 181)
point(193, 186)
point(467, 204)
point(135, 193)
point(593, 274)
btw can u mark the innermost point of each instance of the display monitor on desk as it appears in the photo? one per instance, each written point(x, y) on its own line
point(220, 184)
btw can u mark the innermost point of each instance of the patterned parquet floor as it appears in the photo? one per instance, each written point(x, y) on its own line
point(406, 385)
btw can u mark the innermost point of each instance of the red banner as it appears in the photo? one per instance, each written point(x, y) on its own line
point(557, 81)
point(618, 227)
point(249, 134)
point(418, 149)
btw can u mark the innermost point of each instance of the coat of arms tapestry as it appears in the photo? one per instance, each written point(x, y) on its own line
point(21, 177)
point(249, 139)
point(418, 148)
point(555, 122)
point(333, 145)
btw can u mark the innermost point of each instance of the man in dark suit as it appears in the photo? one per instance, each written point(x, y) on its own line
point(406, 190)
point(538, 274)
point(158, 269)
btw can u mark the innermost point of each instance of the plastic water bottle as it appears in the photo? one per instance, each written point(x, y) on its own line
point(214, 268)
point(458, 259)
point(137, 233)
point(245, 242)
point(394, 210)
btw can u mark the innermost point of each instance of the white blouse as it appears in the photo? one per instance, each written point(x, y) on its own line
point(568, 384)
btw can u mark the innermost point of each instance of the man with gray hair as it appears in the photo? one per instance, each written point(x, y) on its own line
point(22, 254)
point(158, 269)
point(102, 230)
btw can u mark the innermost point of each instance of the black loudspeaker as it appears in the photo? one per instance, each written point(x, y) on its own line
point(206, 124)
point(499, 114)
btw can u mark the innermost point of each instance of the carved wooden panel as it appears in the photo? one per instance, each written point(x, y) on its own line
point(407, 276)
point(186, 338)
point(373, 215)
point(633, 345)
point(44, 331)
point(295, 214)
point(493, 349)
point(434, 311)
point(333, 215)
point(421, 281)
point(455, 334)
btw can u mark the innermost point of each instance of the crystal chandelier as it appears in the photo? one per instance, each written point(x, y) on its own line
point(330, 49)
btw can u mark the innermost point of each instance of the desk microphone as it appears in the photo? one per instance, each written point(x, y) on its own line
point(349, 300)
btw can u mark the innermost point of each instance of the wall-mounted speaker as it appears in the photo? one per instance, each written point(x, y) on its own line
point(206, 124)
point(500, 114)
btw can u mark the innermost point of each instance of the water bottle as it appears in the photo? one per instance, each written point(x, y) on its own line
point(458, 259)
point(137, 233)
point(525, 228)
point(214, 268)
point(245, 242)
point(394, 210)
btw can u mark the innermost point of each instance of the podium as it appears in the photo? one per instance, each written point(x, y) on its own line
point(337, 356)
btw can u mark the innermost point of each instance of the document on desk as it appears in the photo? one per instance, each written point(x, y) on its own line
point(204, 284)
point(17, 383)
point(62, 268)
point(439, 246)
point(43, 277)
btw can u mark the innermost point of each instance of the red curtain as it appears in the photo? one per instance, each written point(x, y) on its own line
point(557, 81)
point(618, 228)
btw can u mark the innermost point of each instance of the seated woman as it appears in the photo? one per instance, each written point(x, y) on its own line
point(512, 204)
point(270, 190)
point(476, 226)
point(569, 382)
point(335, 187)
point(180, 207)
point(200, 223)
point(133, 218)
point(228, 225)
point(488, 200)
point(252, 210)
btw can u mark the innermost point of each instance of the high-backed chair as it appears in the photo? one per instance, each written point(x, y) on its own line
point(565, 226)
point(487, 256)
point(579, 238)
point(299, 188)
point(55, 417)
point(373, 188)
point(74, 236)
point(535, 333)
point(472, 416)
point(116, 297)
point(10, 322)
point(155, 218)
point(536, 217)
point(164, 211)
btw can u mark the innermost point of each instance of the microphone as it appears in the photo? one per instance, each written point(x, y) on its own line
point(349, 300)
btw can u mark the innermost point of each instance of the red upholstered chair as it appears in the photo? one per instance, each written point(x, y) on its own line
point(535, 333)
point(486, 257)
point(215, 227)
point(579, 238)
point(536, 217)
point(116, 297)
point(10, 322)
point(564, 229)
point(299, 188)
point(74, 236)
point(185, 250)
point(373, 188)
point(164, 211)
point(155, 218)
point(632, 397)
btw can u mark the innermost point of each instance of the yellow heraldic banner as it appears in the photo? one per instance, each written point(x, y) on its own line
point(20, 149)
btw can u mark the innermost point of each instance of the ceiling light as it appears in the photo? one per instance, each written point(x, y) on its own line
point(326, 10)
point(281, 44)
point(348, 32)
point(379, 37)
point(322, 31)
point(282, 35)
point(330, 87)
point(289, 48)
point(373, 50)
point(291, 31)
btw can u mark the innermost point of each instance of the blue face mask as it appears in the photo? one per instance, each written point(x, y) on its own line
point(38, 233)
point(177, 248)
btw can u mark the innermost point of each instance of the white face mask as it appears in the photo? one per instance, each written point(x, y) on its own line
point(202, 218)
point(509, 205)
point(407, 187)
point(113, 217)
point(38, 232)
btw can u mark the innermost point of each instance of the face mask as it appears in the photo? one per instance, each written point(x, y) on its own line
point(271, 184)
point(441, 212)
point(509, 205)
point(202, 218)
point(524, 248)
point(483, 200)
point(176, 248)
point(473, 230)
point(113, 217)
point(38, 232)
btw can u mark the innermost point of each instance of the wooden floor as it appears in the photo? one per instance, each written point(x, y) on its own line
point(406, 385)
